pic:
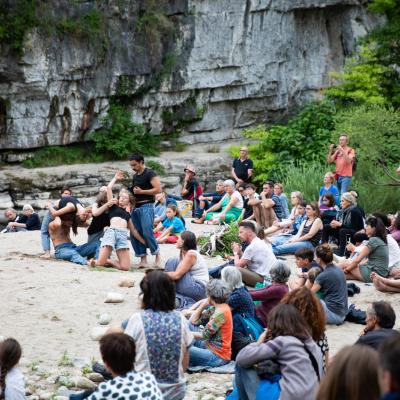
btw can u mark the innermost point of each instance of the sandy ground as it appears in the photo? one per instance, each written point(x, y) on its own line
point(51, 306)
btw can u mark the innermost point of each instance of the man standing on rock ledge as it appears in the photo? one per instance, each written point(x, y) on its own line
point(145, 185)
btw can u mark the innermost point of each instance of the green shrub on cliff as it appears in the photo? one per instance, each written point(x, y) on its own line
point(121, 136)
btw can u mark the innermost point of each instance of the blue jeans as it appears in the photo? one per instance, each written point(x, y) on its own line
point(44, 231)
point(247, 382)
point(343, 184)
point(143, 220)
point(290, 248)
point(215, 272)
point(199, 355)
point(331, 317)
point(76, 254)
point(188, 290)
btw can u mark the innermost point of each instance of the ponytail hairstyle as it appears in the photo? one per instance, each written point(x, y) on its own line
point(379, 228)
point(175, 209)
point(10, 354)
point(325, 253)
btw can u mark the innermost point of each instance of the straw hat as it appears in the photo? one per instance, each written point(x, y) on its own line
point(190, 168)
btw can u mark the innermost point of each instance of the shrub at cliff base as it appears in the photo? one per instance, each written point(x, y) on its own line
point(121, 136)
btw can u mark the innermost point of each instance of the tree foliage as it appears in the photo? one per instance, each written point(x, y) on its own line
point(303, 138)
point(373, 130)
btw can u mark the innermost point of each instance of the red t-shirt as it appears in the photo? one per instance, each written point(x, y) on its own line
point(344, 167)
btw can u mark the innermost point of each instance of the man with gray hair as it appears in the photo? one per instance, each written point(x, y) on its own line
point(256, 261)
point(207, 200)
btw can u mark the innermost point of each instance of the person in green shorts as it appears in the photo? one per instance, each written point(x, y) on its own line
point(374, 257)
point(228, 209)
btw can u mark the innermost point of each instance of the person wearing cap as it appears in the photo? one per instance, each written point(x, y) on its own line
point(242, 167)
point(28, 221)
point(348, 221)
point(191, 189)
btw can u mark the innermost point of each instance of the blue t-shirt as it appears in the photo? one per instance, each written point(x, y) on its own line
point(176, 223)
point(332, 189)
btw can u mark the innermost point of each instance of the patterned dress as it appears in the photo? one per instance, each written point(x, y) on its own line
point(161, 340)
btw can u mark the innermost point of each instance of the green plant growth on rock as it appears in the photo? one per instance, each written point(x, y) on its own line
point(120, 136)
point(72, 154)
point(16, 18)
point(156, 166)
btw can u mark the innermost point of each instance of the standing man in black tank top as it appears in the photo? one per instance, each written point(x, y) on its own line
point(145, 185)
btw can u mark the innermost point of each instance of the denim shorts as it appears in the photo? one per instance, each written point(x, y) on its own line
point(116, 238)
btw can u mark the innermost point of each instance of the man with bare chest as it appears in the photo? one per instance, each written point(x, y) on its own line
point(65, 249)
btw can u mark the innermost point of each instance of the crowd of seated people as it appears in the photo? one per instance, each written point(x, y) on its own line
point(243, 310)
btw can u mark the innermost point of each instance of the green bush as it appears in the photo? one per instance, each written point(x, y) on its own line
point(306, 178)
point(361, 81)
point(372, 186)
point(304, 138)
point(121, 136)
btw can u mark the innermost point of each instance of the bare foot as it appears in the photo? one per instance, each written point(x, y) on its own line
point(157, 261)
point(45, 255)
point(92, 262)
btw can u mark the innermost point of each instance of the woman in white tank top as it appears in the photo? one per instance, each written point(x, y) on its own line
point(189, 271)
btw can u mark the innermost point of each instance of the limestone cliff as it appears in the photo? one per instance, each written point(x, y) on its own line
point(229, 64)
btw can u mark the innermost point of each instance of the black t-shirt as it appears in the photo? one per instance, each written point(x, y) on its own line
point(241, 168)
point(33, 222)
point(375, 338)
point(117, 211)
point(68, 199)
point(99, 223)
point(143, 181)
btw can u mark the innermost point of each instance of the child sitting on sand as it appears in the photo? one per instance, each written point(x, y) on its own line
point(168, 230)
point(12, 384)
point(118, 351)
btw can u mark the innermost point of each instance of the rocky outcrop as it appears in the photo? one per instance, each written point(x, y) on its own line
point(37, 186)
point(228, 65)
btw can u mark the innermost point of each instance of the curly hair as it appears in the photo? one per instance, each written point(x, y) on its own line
point(310, 308)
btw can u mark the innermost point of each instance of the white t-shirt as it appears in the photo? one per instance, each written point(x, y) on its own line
point(260, 255)
point(199, 270)
point(133, 385)
point(237, 195)
point(15, 385)
point(394, 251)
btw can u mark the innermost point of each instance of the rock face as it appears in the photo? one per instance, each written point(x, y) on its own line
point(228, 65)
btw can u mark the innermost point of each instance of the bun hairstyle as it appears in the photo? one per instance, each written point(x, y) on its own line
point(325, 253)
point(10, 354)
